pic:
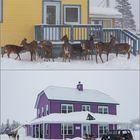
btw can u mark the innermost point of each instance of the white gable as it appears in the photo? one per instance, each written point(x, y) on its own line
point(73, 94)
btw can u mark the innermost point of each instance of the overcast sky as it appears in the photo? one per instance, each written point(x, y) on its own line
point(19, 90)
point(135, 8)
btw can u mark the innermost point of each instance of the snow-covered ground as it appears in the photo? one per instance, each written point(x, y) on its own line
point(136, 136)
point(120, 62)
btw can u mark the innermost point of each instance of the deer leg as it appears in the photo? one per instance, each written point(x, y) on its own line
point(117, 54)
point(31, 56)
point(8, 54)
point(128, 55)
point(101, 57)
point(107, 56)
point(96, 58)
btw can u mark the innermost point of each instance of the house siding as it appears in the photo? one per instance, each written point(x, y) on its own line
point(20, 17)
point(55, 106)
point(54, 130)
point(43, 101)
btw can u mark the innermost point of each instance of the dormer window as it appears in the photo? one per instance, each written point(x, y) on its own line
point(89, 117)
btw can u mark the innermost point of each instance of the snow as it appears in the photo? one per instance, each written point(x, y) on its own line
point(104, 12)
point(118, 63)
point(80, 117)
point(73, 94)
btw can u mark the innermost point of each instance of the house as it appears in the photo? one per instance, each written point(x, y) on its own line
point(19, 18)
point(63, 112)
point(104, 16)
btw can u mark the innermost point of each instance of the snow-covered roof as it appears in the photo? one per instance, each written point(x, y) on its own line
point(80, 117)
point(73, 94)
point(104, 12)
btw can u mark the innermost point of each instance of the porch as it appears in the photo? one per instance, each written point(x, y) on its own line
point(74, 124)
point(76, 33)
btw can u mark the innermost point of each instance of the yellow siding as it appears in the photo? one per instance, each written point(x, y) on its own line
point(19, 18)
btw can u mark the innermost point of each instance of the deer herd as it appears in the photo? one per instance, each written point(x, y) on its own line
point(85, 49)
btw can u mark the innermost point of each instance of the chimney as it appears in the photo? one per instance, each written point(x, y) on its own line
point(107, 3)
point(80, 86)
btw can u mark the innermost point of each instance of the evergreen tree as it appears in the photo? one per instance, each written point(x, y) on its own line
point(127, 20)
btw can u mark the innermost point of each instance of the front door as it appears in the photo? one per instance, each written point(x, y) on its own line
point(51, 17)
point(86, 129)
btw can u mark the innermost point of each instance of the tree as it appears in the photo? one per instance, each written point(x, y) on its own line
point(127, 20)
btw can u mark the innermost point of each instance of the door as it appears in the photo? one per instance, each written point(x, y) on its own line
point(51, 17)
point(86, 129)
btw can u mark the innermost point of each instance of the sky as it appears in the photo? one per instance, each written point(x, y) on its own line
point(19, 90)
point(135, 8)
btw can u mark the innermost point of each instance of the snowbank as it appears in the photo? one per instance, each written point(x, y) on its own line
point(120, 62)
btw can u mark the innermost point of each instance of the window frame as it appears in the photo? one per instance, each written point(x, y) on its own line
point(67, 130)
point(1, 11)
point(102, 125)
point(67, 105)
point(79, 13)
point(86, 107)
point(103, 109)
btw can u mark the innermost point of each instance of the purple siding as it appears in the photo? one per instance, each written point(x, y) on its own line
point(55, 106)
point(43, 101)
point(94, 129)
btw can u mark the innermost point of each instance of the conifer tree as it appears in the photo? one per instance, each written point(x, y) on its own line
point(127, 20)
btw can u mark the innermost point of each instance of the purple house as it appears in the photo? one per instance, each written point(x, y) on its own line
point(72, 112)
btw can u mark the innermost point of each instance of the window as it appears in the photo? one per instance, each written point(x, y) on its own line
point(85, 107)
point(98, 22)
point(103, 109)
point(72, 14)
point(103, 129)
point(68, 129)
point(66, 108)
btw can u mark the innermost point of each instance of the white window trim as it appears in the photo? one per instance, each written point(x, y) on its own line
point(46, 128)
point(110, 20)
point(86, 107)
point(47, 109)
point(67, 129)
point(66, 107)
point(72, 6)
point(103, 129)
point(103, 107)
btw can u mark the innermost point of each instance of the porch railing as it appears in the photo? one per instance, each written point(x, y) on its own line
point(81, 32)
point(74, 32)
